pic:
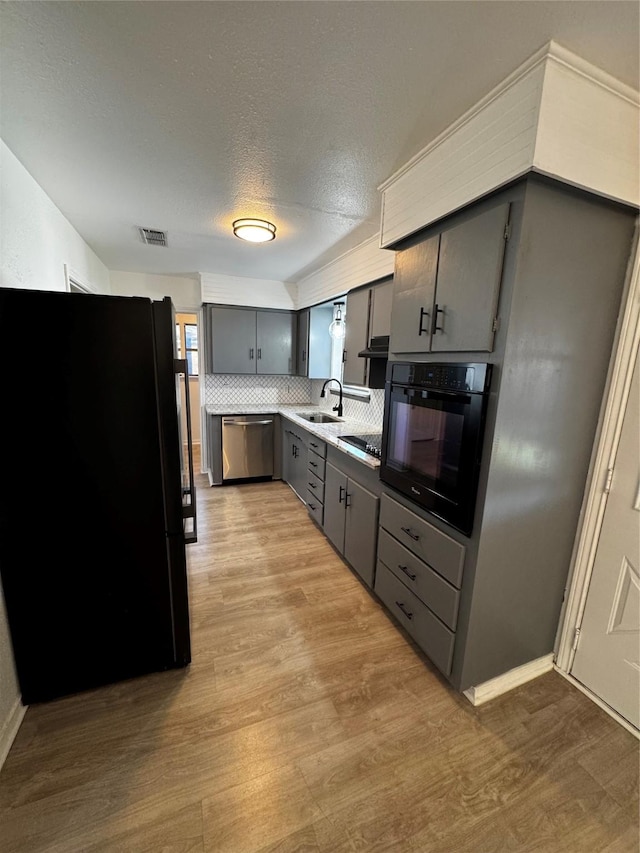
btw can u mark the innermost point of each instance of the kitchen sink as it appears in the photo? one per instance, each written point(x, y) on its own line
point(319, 418)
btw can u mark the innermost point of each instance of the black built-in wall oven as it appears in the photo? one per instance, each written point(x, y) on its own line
point(432, 436)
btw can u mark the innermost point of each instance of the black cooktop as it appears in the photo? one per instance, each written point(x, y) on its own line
point(370, 443)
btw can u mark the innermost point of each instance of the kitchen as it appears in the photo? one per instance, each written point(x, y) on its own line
point(359, 266)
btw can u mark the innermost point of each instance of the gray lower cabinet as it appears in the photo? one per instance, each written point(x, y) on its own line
point(418, 578)
point(294, 459)
point(351, 520)
point(446, 287)
point(245, 340)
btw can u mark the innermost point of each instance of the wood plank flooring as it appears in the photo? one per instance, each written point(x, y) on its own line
point(307, 721)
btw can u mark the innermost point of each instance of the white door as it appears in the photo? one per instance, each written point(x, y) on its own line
point(608, 657)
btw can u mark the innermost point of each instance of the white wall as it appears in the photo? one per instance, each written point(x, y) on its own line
point(36, 241)
point(184, 292)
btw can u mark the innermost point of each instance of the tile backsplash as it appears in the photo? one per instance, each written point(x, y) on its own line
point(368, 412)
point(223, 388)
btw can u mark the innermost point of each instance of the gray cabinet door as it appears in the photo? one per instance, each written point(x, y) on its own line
point(300, 467)
point(319, 356)
point(360, 537)
point(414, 284)
point(356, 338)
point(233, 340)
point(275, 336)
point(302, 358)
point(335, 489)
point(469, 274)
point(288, 460)
point(381, 300)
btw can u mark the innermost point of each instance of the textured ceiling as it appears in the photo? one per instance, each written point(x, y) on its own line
point(185, 115)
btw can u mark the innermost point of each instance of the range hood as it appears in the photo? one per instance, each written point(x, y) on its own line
point(378, 348)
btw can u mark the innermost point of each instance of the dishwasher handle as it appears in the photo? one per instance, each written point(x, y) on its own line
point(245, 423)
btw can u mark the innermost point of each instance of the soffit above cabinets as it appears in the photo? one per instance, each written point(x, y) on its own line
point(556, 115)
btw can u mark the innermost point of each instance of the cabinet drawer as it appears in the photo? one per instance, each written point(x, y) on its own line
point(316, 508)
point(315, 486)
point(317, 446)
point(434, 638)
point(439, 595)
point(317, 464)
point(440, 551)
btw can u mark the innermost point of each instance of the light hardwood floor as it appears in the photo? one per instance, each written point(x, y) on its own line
point(307, 721)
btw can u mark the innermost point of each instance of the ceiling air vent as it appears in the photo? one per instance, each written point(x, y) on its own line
point(152, 237)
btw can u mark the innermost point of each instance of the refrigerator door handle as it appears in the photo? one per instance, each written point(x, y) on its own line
point(188, 510)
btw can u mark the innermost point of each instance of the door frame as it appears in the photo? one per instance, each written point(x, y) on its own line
point(602, 462)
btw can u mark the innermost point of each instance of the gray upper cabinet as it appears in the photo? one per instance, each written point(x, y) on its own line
point(233, 340)
point(243, 340)
point(414, 287)
point(275, 335)
point(356, 337)
point(381, 300)
point(314, 342)
point(446, 288)
point(468, 284)
point(302, 355)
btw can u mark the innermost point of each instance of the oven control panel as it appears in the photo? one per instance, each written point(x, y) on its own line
point(473, 377)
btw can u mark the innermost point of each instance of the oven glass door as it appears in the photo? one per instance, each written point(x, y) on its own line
point(432, 449)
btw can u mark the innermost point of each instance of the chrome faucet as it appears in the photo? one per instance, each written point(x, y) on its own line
point(337, 408)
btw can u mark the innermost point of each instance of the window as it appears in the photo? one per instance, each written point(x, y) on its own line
point(187, 342)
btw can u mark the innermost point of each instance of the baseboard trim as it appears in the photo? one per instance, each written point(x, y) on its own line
point(482, 693)
point(10, 729)
point(599, 702)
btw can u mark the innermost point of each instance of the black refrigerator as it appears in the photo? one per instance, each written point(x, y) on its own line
point(97, 497)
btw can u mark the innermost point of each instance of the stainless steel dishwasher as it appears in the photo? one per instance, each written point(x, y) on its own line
point(247, 447)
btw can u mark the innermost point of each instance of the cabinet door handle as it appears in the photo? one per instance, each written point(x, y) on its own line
point(436, 327)
point(342, 489)
point(406, 612)
point(407, 572)
point(250, 353)
point(259, 352)
point(295, 451)
point(304, 355)
point(347, 498)
point(407, 530)
point(423, 314)
point(344, 356)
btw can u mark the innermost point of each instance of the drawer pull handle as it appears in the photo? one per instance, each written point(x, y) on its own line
point(407, 530)
point(313, 464)
point(312, 506)
point(312, 444)
point(312, 486)
point(404, 610)
point(407, 572)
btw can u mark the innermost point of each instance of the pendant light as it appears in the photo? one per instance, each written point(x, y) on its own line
point(337, 326)
point(254, 230)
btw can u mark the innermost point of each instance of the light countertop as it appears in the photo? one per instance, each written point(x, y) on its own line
point(327, 432)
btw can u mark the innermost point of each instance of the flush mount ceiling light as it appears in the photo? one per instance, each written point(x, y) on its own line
point(254, 230)
point(336, 327)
